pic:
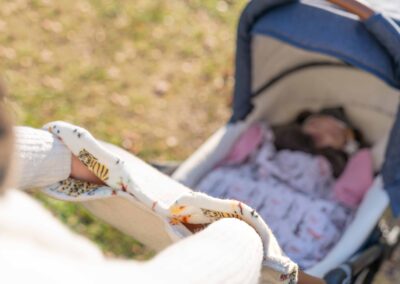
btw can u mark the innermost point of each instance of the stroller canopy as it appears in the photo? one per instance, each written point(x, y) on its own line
point(315, 25)
point(319, 27)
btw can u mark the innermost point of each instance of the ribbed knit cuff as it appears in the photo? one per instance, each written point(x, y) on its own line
point(41, 159)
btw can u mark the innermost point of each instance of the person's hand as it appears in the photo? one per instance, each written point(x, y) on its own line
point(305, 278)
point(80, 172)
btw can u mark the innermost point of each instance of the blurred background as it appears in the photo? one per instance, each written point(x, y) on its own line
point(154, 77)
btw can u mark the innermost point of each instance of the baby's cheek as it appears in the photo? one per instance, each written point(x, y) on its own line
point(339, 135)
point(334, 141)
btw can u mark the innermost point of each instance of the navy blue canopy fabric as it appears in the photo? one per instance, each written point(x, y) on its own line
point(329, 33)
point(316, 25)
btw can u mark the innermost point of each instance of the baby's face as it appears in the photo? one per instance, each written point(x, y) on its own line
point(326, 131)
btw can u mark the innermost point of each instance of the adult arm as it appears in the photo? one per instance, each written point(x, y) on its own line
point(42, 160)
point(227, 251)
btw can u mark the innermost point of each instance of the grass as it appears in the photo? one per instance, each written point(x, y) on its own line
point(154, 77)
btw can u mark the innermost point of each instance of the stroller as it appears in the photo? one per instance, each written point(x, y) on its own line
point(293, 55)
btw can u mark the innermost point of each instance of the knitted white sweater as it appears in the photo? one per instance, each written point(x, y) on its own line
point(36, 248)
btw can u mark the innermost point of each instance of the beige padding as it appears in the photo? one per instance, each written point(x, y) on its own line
point(133, 219)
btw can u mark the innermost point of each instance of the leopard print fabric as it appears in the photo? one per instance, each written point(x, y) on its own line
point(75, 188)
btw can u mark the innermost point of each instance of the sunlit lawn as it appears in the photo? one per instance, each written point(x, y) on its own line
point(151, 76)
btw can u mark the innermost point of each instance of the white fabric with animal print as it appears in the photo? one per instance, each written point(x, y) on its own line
point(166, 197)
point(292, 191)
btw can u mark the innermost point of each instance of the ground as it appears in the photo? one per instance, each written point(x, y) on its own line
point(154, 77)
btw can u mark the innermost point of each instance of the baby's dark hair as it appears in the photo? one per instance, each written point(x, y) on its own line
point(290, 136)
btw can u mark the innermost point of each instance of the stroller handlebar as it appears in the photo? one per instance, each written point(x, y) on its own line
point(355, 7)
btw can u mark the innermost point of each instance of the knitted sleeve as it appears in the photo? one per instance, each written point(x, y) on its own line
point(228, 251)
point(33, 242)
point(41, 158)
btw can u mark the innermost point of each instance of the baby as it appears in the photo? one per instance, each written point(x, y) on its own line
point(289, 174)
point(328, 133)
